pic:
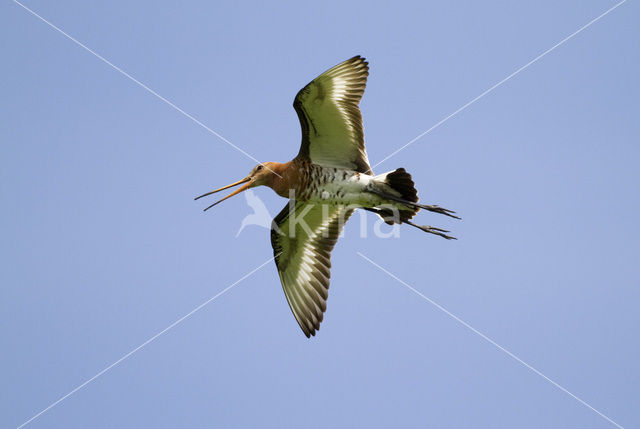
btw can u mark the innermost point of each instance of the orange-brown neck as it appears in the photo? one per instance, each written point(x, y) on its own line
point(284, 176)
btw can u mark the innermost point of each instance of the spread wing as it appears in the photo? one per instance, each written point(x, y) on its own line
point(330, 118)
point(303, 235)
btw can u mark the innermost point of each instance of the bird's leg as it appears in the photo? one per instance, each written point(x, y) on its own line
point(438, 209)
point(387, 216)
point(431, 230)
point(389, 219)
point(431, 208)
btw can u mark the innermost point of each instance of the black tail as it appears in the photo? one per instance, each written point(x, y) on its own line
point(400, 181)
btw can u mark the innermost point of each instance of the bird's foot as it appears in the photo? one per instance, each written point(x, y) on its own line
point(432, 230)
point(438, 209)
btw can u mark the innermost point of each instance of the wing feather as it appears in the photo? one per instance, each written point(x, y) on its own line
point(331, 122)
point(303, 238)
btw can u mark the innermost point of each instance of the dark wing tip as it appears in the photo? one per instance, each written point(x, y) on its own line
point(359, 59)
point(308, 331)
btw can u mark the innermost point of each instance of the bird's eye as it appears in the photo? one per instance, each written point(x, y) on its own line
point(258, 168)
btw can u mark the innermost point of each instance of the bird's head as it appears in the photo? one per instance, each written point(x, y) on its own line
point(263, 174)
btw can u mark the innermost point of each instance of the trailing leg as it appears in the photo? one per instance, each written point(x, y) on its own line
point(432, 230)
point(400, 181)
point(431, 208)
point(390, 218)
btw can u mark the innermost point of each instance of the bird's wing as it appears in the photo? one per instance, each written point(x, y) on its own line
point(330, 118)
point(302, 236)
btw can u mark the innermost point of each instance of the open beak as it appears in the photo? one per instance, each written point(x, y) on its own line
point(237, 191)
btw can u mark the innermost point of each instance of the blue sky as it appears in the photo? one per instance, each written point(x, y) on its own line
point(103, 245)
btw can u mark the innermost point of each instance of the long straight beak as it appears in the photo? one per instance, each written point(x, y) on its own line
point(237, 191)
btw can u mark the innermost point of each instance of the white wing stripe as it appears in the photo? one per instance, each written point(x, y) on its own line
point(303, 259)
point(330, 118)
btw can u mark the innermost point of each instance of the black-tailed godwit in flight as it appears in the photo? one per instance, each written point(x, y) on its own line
point(328, 179)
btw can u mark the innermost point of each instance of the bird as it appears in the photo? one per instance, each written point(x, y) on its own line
point(328, 179)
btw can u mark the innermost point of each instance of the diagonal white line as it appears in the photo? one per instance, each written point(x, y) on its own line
point(465, 324)
point(53, 404)
point(446, 118)
point(151, 91)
